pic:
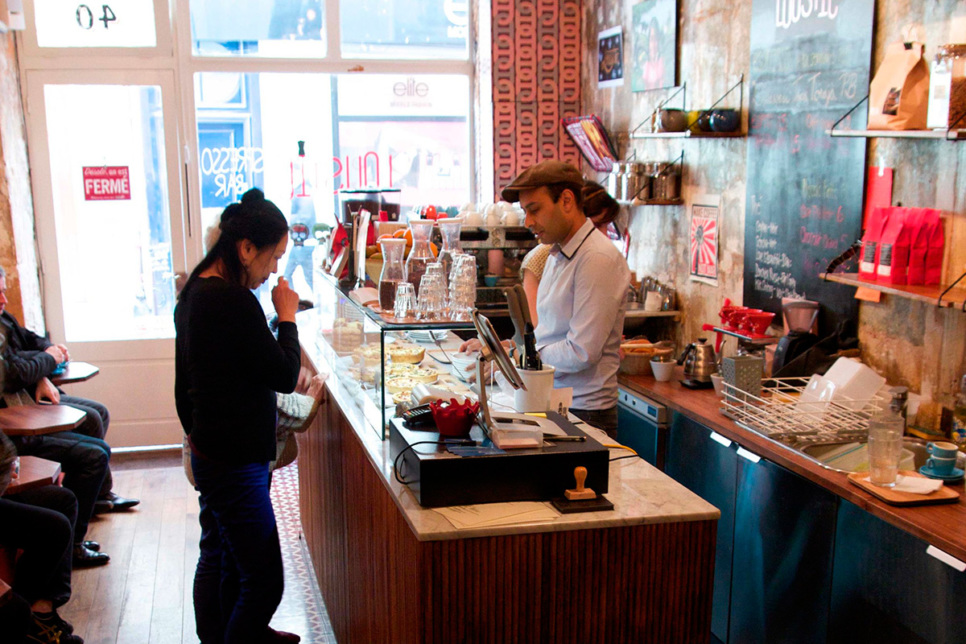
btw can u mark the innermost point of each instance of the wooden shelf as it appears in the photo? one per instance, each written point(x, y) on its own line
point(639, 313)
point(652, 202)
point(955, 298)
point(949, 135)
point(688, 134)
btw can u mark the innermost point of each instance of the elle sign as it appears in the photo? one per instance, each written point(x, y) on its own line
point(107, 183)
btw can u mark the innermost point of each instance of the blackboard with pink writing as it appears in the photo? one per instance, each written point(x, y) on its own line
point(809, 65)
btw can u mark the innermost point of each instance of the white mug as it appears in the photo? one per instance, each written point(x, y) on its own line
point(511, 217)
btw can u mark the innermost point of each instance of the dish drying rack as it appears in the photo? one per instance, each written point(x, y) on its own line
point(779, 413)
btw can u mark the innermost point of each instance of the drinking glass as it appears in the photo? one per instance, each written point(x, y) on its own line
point(462, 287)
point(885, 450)
point(405, 300)
point(429, 304)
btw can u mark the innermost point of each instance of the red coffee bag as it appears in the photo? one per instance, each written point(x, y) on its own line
point(926, 255)
point(870, 243)
point(894, 247)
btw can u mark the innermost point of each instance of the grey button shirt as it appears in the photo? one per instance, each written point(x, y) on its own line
point(580, 307)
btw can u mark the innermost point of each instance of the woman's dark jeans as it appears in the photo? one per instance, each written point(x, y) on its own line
point(238, 581)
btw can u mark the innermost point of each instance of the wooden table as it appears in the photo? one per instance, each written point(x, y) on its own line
point(75, 372)
point(31, 420)
point(34, 472)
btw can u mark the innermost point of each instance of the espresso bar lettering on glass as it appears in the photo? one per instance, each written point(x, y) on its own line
point(804, 199)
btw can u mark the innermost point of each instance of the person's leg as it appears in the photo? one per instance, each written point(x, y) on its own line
point(14, 616)
point(98, 418)
point(83, 460)
point(95, 425)
point(63, 502)
point(44, 536)
point(239, 498)
point(209, 623)
point(603, 419)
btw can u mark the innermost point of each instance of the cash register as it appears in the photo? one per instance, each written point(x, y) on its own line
point(505, 458)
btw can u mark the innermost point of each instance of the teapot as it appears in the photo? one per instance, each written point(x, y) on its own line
point(699, 361)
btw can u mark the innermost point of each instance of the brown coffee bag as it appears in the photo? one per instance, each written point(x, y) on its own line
point(899, 94)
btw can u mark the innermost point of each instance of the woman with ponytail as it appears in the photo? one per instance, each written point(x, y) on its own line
point(228, 368)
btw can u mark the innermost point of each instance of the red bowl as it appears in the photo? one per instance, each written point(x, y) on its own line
point(738, 317)
point(757, 323)
point(454, 419)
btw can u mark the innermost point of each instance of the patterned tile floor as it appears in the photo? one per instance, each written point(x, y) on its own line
point(301, 610)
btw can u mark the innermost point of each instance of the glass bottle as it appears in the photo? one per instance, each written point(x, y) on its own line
point(885, 440)
point(449, 230)
point(421, 254)
point(393, 271)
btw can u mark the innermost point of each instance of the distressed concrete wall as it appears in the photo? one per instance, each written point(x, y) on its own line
point(910, 343)
point(17, 239)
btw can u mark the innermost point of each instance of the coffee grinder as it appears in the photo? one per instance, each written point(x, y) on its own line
point(799, 318)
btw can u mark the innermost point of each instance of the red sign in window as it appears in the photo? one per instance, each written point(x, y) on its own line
point(107, 182)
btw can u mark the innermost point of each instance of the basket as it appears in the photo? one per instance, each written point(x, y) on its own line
point(639, 364)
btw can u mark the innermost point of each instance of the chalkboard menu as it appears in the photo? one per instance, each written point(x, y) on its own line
point(809, 66)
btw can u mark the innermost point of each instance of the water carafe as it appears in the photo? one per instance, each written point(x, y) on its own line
point(393, 271)
point(449, 230)
point(421, 254)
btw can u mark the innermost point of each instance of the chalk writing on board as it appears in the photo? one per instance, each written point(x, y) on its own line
point(809, 65)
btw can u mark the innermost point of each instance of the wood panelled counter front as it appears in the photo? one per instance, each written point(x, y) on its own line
point(390, 571)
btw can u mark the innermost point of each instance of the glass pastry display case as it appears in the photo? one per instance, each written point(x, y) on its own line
point(380, 361)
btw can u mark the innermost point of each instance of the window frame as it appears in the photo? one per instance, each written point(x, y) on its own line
point(173, 52)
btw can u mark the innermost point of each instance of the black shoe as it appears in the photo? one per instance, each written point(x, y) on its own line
point(111, 502)
point(56, 620)
point(92, 545)
point(49, 629)
point(87, 558)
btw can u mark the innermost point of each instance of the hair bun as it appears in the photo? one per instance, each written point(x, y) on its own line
point(231, 211)
point(253, 196)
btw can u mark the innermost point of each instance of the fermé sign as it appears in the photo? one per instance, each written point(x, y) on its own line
point(107, 183)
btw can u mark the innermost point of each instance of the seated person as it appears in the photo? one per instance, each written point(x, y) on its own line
point(30, 360)
point(37, 522)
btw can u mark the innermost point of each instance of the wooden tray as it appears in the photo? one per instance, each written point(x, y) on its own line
point(942, 495)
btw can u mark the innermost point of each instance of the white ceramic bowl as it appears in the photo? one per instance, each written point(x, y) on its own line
point(663, 371)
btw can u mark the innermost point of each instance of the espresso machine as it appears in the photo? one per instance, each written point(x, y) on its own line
point(352, 202)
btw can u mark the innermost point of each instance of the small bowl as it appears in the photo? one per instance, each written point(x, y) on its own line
point(663, 371)
point(672, 120)
point(725, 120)
point(491, 280)
point(699, 120)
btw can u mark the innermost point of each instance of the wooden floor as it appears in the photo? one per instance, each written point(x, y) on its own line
point(144, 594)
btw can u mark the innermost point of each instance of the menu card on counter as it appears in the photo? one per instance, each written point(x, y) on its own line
point(804, 188)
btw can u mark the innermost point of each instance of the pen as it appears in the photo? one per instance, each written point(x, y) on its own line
point(563, 439)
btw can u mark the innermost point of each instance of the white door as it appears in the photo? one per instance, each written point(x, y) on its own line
point(107, 185)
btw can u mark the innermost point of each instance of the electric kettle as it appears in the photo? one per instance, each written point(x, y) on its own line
point(699, 363)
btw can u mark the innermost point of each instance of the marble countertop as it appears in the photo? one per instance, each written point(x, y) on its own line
point(641, 493)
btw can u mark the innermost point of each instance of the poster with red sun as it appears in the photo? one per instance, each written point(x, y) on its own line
point(703, 257)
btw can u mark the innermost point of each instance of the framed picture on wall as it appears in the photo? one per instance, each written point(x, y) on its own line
point(610, 58)
point(654, 26)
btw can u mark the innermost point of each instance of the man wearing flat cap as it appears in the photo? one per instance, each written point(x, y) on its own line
point(582, 293)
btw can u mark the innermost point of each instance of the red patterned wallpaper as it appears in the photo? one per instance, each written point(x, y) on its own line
point(536, 82)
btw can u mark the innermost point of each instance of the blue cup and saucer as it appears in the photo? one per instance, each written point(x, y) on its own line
point(950, 476)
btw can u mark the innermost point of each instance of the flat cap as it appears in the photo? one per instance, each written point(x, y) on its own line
point(542, 174)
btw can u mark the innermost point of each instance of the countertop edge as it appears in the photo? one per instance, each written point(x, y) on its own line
point(909, 519)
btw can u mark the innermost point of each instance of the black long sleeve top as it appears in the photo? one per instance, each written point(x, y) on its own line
point(24, 357)
point(228, 366)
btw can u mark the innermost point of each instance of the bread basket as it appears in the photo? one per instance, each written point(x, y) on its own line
point(637, 357)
